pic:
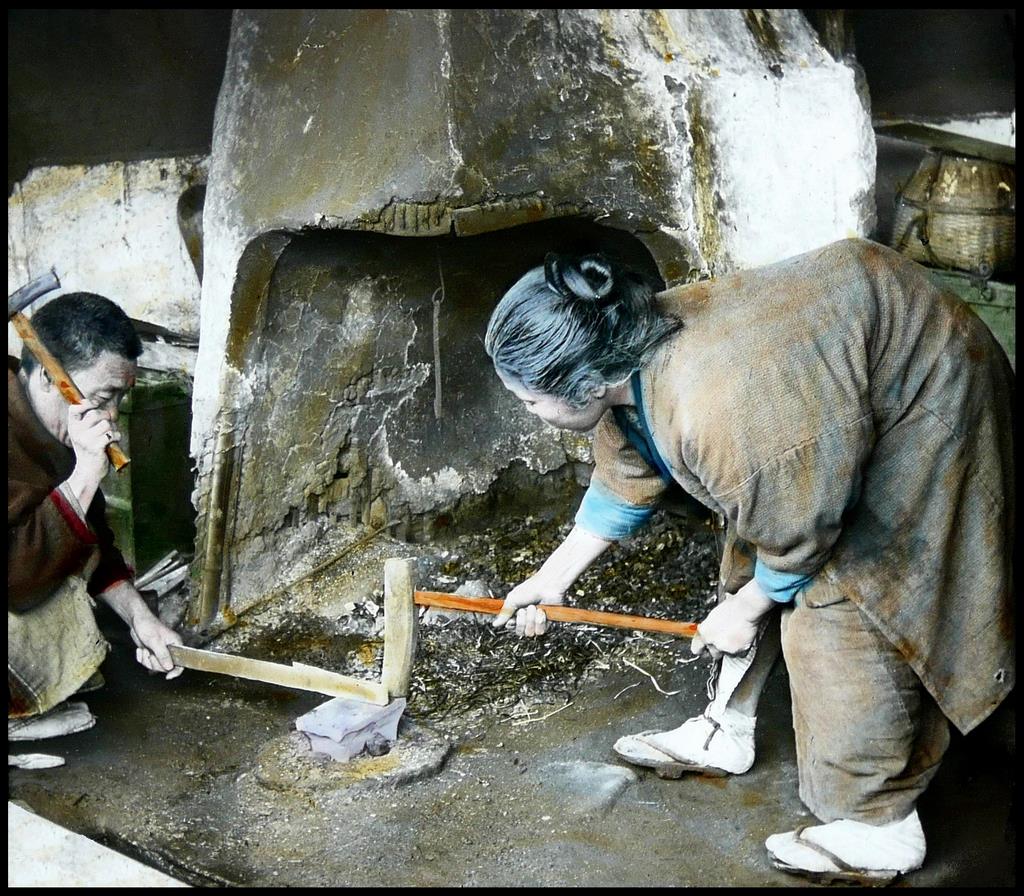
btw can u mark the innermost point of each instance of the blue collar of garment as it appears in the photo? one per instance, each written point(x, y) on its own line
point(638, 432)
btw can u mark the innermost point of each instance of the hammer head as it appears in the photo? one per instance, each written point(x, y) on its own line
point(25, 296)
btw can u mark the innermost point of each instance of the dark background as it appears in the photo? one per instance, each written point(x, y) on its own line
point(88, 86)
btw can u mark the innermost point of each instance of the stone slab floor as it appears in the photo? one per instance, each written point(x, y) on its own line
point(178, 775)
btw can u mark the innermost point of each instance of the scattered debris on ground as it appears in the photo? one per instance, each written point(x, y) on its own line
point(468, 674)
point(464, 665)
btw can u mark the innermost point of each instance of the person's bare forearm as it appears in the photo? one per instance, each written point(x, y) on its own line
point(91, 430)
point(152, 638)
point(571, 559)
point(125, 600)
point(83, 485)
point(548, 585)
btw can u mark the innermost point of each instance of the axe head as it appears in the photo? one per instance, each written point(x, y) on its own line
point(25, 296)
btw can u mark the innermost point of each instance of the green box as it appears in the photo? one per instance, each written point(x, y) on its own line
point(995, 303)
point(149, 503)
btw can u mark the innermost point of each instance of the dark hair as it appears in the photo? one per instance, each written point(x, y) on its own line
point(574, 324)
point(78, 327)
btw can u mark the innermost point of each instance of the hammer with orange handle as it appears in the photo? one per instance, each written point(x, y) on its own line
point(16, 303)
point(560, 613)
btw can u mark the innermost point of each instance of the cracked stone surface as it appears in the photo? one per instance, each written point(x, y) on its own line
point(343, 431)
point(695, 135)
point(288, 764)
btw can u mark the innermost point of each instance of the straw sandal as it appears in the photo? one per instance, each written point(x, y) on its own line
point(842, 873)
point(638, 750)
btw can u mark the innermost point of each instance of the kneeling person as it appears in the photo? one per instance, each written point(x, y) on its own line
point(60, 550)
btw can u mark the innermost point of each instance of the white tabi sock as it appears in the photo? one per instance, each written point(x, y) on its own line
point(897, 846)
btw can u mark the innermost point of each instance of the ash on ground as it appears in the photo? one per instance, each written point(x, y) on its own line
point(468, 674)
point(465, 667)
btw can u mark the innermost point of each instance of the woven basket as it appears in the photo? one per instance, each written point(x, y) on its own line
point(959, 212)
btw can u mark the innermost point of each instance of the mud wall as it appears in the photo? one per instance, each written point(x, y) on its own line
point(113, 229)
point(374, 402)
point(696, 141)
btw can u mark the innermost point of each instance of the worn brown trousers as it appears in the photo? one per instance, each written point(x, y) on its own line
point(869, 736)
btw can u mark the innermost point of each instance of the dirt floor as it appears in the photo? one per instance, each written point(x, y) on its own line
point(503, 774)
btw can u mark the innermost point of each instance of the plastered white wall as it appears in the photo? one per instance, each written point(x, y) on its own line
point(994, 128)
point(795, 161)
point(111, 229)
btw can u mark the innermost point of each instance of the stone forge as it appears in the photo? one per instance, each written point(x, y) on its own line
point(379, 177)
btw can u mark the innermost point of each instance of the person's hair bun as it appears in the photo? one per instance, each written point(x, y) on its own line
point(588, 279)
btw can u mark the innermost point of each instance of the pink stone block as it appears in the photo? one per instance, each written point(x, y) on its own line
point(341, 728)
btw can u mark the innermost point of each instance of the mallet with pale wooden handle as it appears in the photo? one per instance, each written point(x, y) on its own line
point(400, 626)
point(21, 300)
point(399, 651)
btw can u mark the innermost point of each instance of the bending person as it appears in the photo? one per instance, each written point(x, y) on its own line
point(852, 423)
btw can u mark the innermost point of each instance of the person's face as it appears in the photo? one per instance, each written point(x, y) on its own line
point(555, 411)
point(105, 382)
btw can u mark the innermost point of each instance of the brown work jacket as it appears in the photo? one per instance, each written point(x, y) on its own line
point(51, 550)
point(851, 419)
point(47, 540)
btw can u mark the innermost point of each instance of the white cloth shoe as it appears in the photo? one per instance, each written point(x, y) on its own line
point(33, 761)
point(847, 850)
point(65, 718)
point(719, 742)
point(713, 743)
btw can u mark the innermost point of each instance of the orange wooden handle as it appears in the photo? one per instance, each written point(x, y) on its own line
point(59, 375)
point(118, 459)
point(559, 613)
